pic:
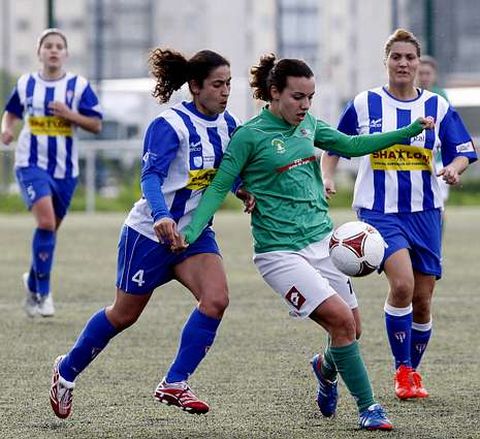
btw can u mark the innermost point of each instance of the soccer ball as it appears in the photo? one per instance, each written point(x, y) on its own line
point(356, 248)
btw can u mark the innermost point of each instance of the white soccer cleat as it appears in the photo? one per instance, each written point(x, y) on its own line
point(30, 303)
point(45, 306)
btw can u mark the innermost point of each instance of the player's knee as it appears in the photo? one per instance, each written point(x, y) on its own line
point(214, 305)
point(402, 288)
point(344, 329)
point(46, 223)
point(121, 320)
point(422, 310)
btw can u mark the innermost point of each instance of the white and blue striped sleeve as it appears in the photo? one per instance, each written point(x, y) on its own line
point(456, 141)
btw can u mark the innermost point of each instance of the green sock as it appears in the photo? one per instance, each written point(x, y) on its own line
point(329, 370)
point(354, 374)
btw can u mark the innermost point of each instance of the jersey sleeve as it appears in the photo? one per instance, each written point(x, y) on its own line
point(235, 158)
point(330, 139)
point(160, 147)
point(238, 152)
point(348, 123)
point(89, 105)
point(14, 104)
point(456, 141)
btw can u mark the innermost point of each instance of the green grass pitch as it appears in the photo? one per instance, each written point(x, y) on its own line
point(256, 378)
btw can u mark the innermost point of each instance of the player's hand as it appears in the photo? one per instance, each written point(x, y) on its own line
point(247, 198)
point(7, 136)
point(329, 186)
point(178, 245)
point(60, 109)
point(166, 230)
point(450, 175)
point(428, 123)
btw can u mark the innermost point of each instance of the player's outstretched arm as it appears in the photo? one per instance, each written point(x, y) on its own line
point(330, 139)
point(211, 201)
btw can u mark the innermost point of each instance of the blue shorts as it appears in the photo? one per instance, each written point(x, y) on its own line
point(419, 232)
point(144, 264)
point(36, 183)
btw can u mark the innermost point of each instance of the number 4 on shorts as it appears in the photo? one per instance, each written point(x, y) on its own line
point(138, 278)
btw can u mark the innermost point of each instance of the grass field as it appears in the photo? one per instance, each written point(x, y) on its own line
point(256, 378)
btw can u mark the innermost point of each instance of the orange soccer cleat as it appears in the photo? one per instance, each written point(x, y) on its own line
point(404, 383)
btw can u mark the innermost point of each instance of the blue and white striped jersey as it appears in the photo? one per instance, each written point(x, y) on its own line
point(47, 141)
point(402, 178)
point(184, 147)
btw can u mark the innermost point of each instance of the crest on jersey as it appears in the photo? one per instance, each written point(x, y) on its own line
point(279, 146)
point(198, 161)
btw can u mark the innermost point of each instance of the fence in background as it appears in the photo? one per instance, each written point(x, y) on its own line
point(106, 166)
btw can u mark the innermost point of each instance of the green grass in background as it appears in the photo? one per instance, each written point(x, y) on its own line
point(467, 194)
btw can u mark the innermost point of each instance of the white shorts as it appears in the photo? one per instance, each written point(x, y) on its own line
point(305, 278)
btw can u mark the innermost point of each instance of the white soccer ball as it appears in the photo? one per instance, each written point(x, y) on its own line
point(356, 248)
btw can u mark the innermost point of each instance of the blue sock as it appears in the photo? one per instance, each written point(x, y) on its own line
point(197, 337)
point(43, 246)
point(95, 336)
point(421, 333)
point(398, 322)
point(32, 280)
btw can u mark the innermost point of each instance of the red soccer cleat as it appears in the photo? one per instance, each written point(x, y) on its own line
point(180, 395)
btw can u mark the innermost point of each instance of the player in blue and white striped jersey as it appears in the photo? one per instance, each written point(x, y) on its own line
point(53, 103)
point(397, 191)
point(182, 150)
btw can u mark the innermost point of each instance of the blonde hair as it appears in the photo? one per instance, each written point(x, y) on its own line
point(402, 36)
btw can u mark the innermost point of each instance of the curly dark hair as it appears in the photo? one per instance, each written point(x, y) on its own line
point(171, 69)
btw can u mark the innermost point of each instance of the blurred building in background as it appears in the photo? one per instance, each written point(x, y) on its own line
point(342, 40)
point(452, 33)
point(109, 40)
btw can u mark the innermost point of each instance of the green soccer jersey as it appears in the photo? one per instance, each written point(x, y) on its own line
point(277, 164)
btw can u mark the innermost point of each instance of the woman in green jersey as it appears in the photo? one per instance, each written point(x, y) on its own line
point(274, 153)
